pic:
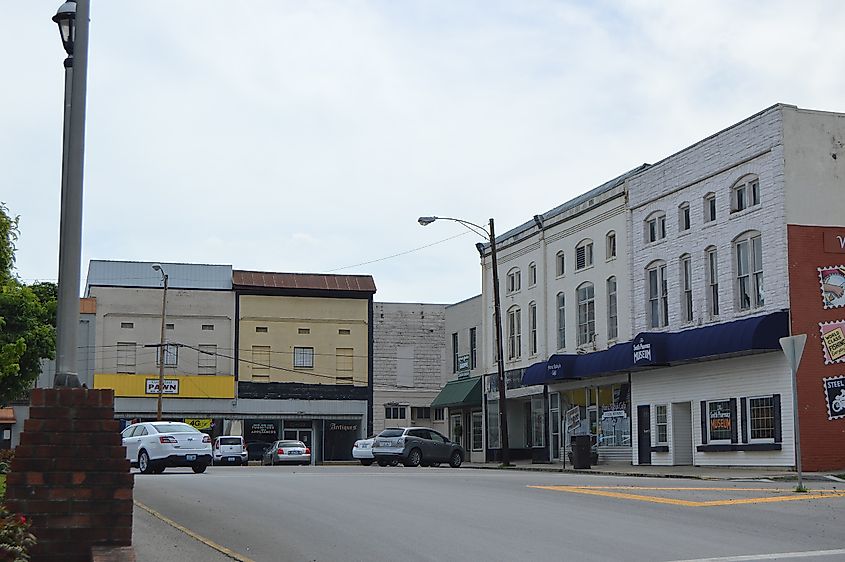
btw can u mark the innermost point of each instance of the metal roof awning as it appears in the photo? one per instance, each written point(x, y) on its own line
point(7, 415)
point(458, 393)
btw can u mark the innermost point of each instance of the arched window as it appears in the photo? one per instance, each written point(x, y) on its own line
point(745, 193)
point(684, 221)
point(532, 328)
point(657, 294)
point(685, 262)
point(610, 245)
point(612, 312)
point(561, 320)
point(532, 274)
point(560, 263)
point(748, 253)
point(514, 281)
point(655, 227)
point(584, 254)
point(710, 207)
point(514, 333)
point(586, 313)
point(711, 258)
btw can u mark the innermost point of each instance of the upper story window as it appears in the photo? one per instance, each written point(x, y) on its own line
point(711, 257)
point(655, 227)
point(455, 352)
point(745, 193)
point(473, 349)
point(748, 250)
point(514, 333)
point(583, 255)
point(684, 222)
point(532, 274)
point(658, 296)
point(303, 357)
point(686, 288)
point(561, 321)
point(586, 314)
point(710, 207)
point(514, 281)
point(612, 313)
point(610, 245)
point(532, 328)
point(560, 262)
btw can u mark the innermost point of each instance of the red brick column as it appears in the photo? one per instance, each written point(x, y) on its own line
point(70, 476)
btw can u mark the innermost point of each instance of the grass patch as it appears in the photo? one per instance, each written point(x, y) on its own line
point(2, 486)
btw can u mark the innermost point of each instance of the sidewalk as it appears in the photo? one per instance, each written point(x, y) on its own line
point(653, 471)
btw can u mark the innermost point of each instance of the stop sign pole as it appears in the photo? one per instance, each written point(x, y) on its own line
point(793, 348)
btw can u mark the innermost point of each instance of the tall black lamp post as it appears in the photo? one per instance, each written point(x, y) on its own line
point(503, 410)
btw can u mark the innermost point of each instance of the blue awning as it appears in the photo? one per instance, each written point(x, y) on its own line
point(615, 359)
point(535, 374)
point(760, 333)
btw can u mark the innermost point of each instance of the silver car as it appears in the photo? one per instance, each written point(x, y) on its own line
point(287, 452)
point(229, 449)
point(416, 446)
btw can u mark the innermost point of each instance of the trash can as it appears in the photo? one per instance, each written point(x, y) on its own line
point(581, 446)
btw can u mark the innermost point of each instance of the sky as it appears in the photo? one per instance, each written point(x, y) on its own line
point(310, 136)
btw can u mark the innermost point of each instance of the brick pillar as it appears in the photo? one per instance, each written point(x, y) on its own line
point(70, 476)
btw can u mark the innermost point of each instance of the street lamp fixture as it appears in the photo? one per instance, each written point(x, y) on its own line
point(162, 349)
point(66, 19)
point(490, 234)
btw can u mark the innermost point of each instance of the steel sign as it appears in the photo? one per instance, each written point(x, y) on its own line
point(834, 392)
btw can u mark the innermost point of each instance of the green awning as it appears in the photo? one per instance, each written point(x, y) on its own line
point(459, 393)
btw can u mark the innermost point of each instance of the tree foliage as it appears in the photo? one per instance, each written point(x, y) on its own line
point(27, 319)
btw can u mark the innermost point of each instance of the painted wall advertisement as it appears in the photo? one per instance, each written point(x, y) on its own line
point(834, 391)
point(832, 284)
point(833, 341)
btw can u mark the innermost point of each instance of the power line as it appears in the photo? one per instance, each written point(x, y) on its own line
point(406, 252)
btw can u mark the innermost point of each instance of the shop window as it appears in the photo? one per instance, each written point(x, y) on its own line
point(126, 356)
point(514, 333)
point(303, 357)
point(684, 222)
point(493, 441)
point(745, 194)
point(538, 421)
point(583, 255)
point(532, 274)
point(749, 270)
point(420, 413)
point(721, 421)
point(514, 283)
point(477, 431)
point(532, 328)
point(761, 418)
point(439, 414)
point(560, 263)
point(655, 227)
point(610, 245)
point(658, 298)
point(586, 314)
point(711, 256)
point(394, 412)
point(710, 207)
point(207, 359)
point(561, 321)
point(661, 424)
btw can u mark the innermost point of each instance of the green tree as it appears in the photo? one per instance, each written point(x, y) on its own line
point(27, 319)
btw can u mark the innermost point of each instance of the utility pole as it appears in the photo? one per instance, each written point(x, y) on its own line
point(162, 349)
point(503, 409)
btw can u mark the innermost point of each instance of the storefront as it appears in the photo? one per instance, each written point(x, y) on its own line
point(527, 413)
point(462, 400)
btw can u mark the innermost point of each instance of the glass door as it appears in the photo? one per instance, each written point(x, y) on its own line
point(554, 418)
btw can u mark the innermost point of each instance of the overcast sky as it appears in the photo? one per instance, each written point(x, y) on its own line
point(309, 136)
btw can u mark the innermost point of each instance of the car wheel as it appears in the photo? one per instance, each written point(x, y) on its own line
point(414, 458)
point(199, 468)
point(456, 459)
point(366, 462)
point(144, 464)
point(382, 463)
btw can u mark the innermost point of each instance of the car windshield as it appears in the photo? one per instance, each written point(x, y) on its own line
point(175, 428)
point(230, 440)
point(291, 444)
point(391, 433)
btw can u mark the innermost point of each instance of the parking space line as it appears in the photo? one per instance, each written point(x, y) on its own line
point(607, 491)
point(207, 542)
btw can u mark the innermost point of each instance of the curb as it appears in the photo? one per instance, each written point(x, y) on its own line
point(597, 473)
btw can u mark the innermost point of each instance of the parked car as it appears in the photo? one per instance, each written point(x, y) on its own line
point(416, 446)
point(255, 450)
point(363, 451)
point(229, 449)
point(287, 452)
point(154, 446)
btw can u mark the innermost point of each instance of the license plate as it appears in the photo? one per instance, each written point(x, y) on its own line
point(191, 457)
point(232, 459)
point(294, 453)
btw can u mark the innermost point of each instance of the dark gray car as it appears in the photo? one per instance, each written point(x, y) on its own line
point(416, 446)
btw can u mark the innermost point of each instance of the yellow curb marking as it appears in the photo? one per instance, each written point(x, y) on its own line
point(207, 542)
point(604, 491)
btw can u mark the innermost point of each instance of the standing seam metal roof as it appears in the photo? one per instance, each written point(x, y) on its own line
point(308, 281)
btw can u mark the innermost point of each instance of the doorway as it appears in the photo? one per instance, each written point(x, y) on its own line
point(644, 434)
point(682, 433)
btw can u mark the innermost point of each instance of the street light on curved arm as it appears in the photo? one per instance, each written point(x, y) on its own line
point(491, 236)
point(162, 352)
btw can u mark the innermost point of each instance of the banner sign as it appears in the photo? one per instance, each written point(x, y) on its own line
point(199, 423)
point(833, 341)
point(832, 282)
point(720, 419)
point(171, 386)
point(573, 418)
point(834, 392)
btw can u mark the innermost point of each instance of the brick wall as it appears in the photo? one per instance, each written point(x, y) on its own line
point(70, 475)
point(822, 440)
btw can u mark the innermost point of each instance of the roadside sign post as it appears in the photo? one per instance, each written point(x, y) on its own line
point(793, 348)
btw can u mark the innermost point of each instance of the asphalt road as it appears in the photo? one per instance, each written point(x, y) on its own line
point(356, 513)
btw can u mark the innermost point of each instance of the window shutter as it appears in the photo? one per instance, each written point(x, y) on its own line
point(704, 422)
point(744, 410)
point(776, 415)
point(580, 258)
point(734, 437)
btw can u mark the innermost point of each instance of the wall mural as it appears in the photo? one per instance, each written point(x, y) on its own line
point(833, 341)
point(832, 282)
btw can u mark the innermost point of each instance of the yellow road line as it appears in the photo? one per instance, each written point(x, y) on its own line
point(208, 542)
point(605, 492)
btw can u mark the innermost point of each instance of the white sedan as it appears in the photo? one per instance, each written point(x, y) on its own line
point(154, 446)
point(363, 451)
